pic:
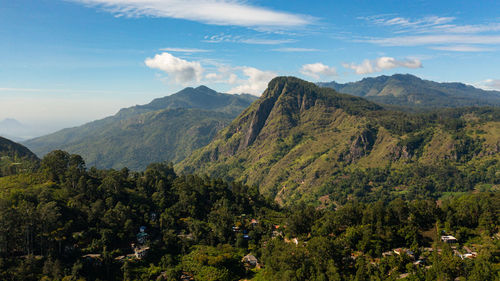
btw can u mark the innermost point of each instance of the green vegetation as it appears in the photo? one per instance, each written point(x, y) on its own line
point(67, 222)
point(167, 129)
point(300, 142)
point(15, 158)
point(306, 184)
point(413, 93)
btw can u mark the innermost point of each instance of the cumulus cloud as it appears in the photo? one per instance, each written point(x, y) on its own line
point(382, 63)
point(242, 79)
point(255, 83)
point(217, 12)
point(182, 71)
point(318, 70)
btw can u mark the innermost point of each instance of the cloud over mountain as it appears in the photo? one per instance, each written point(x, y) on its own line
point(381, 64)
point(318, 70)
point(182, 71)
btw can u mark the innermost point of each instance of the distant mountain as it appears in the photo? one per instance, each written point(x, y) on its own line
point(14, 157)
point(299, 140)
point(167, 129)
point(409, 90)
point(13, 129)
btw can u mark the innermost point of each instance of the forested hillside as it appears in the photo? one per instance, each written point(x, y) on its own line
point(167, 129)
point(415, 93)
point(67, 222)
point(300, 142)
point(15, 158)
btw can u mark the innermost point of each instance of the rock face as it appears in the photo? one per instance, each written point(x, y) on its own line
point(298, 137)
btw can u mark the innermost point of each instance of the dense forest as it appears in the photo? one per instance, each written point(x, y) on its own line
point(65, 221)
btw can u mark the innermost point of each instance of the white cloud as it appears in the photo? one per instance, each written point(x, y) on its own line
point(255, 83)
point(432, 24)
point(182, 71)
point(318, 70)
point(478, 28)
point(217, 12)
point(295, 50)
point(462, 48)
point(185, 50)
point(489, 84)
point(382, 63)
point(434, 30)
point(242, 79)
point(228, 38)
point(406, 23)
point(435, 39)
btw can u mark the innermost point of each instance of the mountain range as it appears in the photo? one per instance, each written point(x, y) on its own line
point(415, 93)
point(167, 129)
point(270, 132)
point(299, 139)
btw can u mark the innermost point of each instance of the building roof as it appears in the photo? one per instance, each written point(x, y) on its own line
point(249, 258)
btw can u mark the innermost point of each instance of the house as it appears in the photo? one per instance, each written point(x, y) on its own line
point(400, 251)
point(92, 256)
point(448, 239)
point(142, 236)
point(389, 253)
point(419, 262)
point(471, 255)
point(293, 240)
point(95, 259)
point(254, 222)
point(140, 251)
point(250, 261)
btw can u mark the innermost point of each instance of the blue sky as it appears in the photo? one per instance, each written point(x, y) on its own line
point(65, 62)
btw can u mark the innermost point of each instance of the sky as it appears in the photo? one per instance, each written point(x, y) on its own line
point(67, 62)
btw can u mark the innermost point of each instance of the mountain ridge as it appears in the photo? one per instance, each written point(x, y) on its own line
point(410, 90)
point(297, 137)
point(138, 135)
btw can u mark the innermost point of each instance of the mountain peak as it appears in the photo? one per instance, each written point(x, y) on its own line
point(10, 122)
point(203, 88)
point(410, 90)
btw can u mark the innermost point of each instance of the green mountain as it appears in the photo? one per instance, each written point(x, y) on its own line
point(303, 142)
point(15, 158)
point(167, 129)
point(409, 90)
